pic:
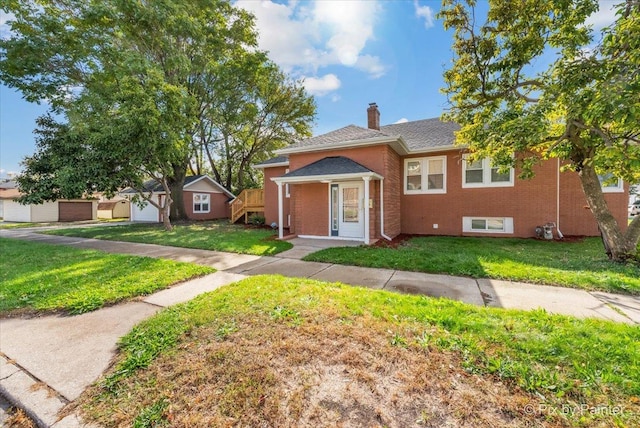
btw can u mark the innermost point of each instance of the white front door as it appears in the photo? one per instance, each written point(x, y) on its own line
point(350, 210)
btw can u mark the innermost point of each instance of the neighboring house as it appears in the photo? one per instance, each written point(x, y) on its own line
point(204, 199)
point(378, 182)
point(5, 185)
point(60, 210)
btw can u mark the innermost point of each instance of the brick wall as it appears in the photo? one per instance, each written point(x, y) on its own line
point(380, 159)
point(529, 202)
point(392, 193)
point(219, 207)
point(310, 209)
point(576, 217)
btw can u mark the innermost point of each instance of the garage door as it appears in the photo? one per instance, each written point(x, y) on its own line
point(75, 211)
point(148, 213)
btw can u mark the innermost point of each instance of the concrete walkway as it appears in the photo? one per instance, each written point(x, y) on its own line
point(46, 362)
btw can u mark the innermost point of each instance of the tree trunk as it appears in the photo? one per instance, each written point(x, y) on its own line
point(166, 215)
point(176, 183)
point(619, 246)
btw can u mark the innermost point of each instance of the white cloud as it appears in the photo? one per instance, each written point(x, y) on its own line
point(303, 37)
point(424, 12)
point(403, 120)
point(605, 15)
point(372, 65)
point(5, 31)
point(323, 85)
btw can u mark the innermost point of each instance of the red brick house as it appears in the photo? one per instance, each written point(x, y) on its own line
point(377, 182)
point(204, 199)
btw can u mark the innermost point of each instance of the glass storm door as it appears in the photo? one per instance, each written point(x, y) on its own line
point(350, 212)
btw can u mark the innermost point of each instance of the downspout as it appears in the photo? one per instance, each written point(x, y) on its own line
point(560, 235)
point(280, 212)
point(382, 210)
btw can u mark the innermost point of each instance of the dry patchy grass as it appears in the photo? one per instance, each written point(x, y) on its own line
point(320, 373)
point(18, 419)
point(281, 352)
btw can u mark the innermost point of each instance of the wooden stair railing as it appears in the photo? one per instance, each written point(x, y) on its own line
point(248, 201)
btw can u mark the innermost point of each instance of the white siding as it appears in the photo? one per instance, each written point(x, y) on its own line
point(45, 212)
point(14, 211)
point(203, 186)
point(1, 208)
point(148, 213)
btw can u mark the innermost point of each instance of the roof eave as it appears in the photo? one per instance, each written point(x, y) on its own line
point(327, 178)
point(269, 165)
point(434, 149)
point(396, 142)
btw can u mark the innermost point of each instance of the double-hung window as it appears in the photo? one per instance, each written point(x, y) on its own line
point(481, 173)
point(425, 175)
point(201, 203)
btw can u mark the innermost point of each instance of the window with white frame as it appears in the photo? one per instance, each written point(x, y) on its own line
point(481, 173)
point(610, 184)
point(487, 224)
point(201, 203)
point(425, 175)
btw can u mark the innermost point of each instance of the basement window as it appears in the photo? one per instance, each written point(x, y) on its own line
point(487, 224)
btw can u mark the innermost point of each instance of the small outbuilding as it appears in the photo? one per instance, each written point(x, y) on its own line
point(204, 199)
point(114, 209)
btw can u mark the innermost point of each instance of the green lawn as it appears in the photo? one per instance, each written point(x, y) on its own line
point(275, 351)
point(44, 277)
point(570, 264)
point(216, 236)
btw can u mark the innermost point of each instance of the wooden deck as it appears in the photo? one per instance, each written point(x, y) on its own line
point(249, 201)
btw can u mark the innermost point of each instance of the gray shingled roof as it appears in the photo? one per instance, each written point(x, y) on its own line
point(348, 133)
point(155, 187)
point(424, 134)
point(276, 160)
point(418, 135)
point(332, 165)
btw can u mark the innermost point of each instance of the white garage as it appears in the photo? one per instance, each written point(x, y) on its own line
point(148, 213)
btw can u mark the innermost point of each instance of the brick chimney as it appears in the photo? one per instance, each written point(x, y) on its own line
point(373, 117)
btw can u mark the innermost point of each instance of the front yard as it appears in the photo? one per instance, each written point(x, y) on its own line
point(275, 351)
point(582, 264)
point(210, 235)
point(42, 277)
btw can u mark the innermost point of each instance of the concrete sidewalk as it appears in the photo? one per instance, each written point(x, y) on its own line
point(72, 352)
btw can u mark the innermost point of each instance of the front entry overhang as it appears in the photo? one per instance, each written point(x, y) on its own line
point(328, 170)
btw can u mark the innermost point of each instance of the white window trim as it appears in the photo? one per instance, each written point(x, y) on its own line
point(424, 176)
point(619, 188)
point(507, 223)
point(208, 203)
point(486, 176)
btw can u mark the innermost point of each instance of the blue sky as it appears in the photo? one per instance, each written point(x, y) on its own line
point(349, 53)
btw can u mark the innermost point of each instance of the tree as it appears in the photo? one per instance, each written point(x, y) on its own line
point(127, 75)
point(253, 110)
point(583, 108)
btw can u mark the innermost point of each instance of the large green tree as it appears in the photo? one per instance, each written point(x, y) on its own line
point(126, 74)
point(530, 77)
point(254, 109)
